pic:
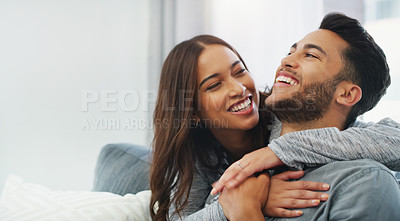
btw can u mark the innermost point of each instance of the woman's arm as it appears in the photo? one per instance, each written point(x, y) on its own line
point(291, 195)
point(378, 141)
point(200, 190)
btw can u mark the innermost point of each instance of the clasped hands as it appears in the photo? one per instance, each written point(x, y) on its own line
point(247, 197)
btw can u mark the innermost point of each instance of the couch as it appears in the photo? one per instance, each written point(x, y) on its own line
point(124, 168)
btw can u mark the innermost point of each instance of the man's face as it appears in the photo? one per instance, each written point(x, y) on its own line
point(305, 80)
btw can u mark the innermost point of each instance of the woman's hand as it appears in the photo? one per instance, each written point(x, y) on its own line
point(251, 163)
point(284, 195)
point(246, 201)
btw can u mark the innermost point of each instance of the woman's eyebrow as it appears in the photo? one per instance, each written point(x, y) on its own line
point(207, 78)
point(235, 63)
point(217, 74)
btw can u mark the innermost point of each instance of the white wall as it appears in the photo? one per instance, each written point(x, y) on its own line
point(51, 53)
point(386, 33)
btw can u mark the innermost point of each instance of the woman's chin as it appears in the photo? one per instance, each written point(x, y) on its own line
point(249, 124)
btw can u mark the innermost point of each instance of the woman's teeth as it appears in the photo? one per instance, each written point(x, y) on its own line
point(286, 80)
point(242, 106)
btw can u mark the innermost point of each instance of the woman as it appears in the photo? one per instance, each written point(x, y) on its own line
point(207, 116)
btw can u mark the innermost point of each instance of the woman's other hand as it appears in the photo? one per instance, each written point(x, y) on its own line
point(285, 196)
point(248, 165)
point(246, 201)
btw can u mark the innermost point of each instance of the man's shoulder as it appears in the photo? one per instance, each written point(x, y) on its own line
point(355, 165)
point(361, 163)
point(345, 171)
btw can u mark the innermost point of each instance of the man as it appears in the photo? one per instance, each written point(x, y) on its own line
point(329, 78)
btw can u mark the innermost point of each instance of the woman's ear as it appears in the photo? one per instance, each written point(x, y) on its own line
point(348, 94)
point(196, 119)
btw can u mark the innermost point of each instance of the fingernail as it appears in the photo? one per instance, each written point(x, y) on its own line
point(213, 192)
point(298, 212)
point(326, 186)
point(324, 197)
point(315, 202)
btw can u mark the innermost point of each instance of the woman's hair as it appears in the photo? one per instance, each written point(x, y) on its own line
point(178, 142)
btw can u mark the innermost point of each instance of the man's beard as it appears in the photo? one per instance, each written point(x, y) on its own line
point(310, 104)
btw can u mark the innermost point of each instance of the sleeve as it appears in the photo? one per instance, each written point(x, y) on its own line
point(377, 141)
point(196, 209)
point(212, 212)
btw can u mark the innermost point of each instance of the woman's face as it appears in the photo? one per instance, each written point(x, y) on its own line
point(227, 95)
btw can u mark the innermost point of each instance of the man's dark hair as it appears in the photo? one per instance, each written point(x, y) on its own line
point(365, 62)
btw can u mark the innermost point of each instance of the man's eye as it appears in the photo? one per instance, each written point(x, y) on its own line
point(311, 55)
point(289, 53)
point(213, 86)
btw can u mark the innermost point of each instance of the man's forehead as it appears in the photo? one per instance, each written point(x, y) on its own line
point(325, 39)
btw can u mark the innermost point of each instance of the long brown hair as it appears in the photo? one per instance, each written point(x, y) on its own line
point(178, 143)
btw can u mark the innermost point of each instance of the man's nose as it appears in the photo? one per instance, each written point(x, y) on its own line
point(290, 61)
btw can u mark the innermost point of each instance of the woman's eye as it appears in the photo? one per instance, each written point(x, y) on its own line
point(241, 71)
point(213, 86)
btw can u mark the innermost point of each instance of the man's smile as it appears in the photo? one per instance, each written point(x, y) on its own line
point(285, 79)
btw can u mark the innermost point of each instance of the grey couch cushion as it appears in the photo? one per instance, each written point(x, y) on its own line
point(122, 168)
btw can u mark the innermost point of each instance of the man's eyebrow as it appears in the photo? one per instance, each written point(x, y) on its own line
point(294, 46)
point(309, 46)
point(217, 74)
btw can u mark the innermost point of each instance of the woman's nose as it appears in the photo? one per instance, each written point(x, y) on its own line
point(237, 89)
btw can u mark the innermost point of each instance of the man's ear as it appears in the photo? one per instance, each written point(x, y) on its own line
point(348, 94)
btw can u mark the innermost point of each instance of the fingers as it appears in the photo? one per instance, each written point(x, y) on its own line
point(220, 184)
point(216, 189)
point(305, 195)
point(263, 176)
point(307, 185)
point(299, 203)
point(233, 176)
point(285, 213)
point(289, 175)
point(241, 175)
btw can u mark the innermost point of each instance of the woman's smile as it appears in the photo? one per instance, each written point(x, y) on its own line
point(242, 107)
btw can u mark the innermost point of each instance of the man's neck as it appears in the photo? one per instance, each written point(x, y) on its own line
point(329, 120)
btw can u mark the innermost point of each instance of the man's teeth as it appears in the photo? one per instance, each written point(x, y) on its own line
point(242, 107)
point(285, 80)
